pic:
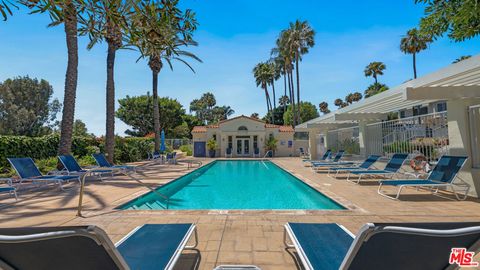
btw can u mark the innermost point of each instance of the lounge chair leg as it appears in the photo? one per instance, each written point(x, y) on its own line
point(380, 192)
point(196, 240)
point(285, 241)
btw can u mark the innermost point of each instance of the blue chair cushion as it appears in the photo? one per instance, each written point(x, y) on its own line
point(6, 189)
point(153, 245)
point(371, 172)
point(413, 182)
point(325, 245)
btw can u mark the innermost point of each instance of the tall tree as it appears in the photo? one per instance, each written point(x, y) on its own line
point(263, 75)
point(413, 43)
point(353, 97)
point(136, 112)
point(301, 39)
point(284, 56)
point(323, 106)
point(160, 31)
point(255, 116)
point(283, 101)
point(340, 103)
point(27, 107)
point(458, 18)
point(107, 20)
point(374, 89)
point(64, 12)
point(308, 111)
point(374, 69)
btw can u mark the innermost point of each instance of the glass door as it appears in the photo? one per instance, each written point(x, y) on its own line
point(246, 147)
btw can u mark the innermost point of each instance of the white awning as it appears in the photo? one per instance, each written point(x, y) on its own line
point(456, 81)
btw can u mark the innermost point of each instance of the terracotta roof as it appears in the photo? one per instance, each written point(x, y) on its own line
point(271, 126)
point(199, 129)
point(286, 129)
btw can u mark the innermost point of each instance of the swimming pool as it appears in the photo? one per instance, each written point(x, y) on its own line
point(235, 184)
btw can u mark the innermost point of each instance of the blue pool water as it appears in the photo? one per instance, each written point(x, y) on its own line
point(235, 185)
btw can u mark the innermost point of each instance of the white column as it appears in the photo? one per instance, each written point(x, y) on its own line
point(312, 143)
point(459, 139)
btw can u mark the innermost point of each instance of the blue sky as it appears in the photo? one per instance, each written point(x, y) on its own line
point(233, 36)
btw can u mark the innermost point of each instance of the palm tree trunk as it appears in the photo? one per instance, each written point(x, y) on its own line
point(71, 77)
point(110, 123)
point(274, 96)
point(266, 98)
point(298, 87)
point(414, 66)
point(375, 77)
point(156, 111)
point(284, 86)
point(292, 101)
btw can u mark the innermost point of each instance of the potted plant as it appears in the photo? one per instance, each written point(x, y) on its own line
point(271, 146)
point(211, 146)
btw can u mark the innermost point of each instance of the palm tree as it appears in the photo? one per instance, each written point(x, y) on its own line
point(461, 58)
point(275, 72)
point(107, 20)
point(5, 9)
point(159, 30)
point(284, 56)
point(323, 106)
point(340, 103)
point(374, 69)
point(283, 101)
point(356, 96)
point(301, 39)
point(412, 43)
point(255, 116)
point(262, 74)
point(65, 12)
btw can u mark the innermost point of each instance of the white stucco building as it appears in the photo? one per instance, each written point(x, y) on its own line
point(439, 114)
point(243, 135)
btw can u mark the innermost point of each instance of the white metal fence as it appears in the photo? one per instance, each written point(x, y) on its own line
point(346, 139)
point(423, 134)
point(474, 117)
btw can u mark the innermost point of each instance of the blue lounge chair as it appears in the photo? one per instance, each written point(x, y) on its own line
point(103, 162)
point(442, 176)
point(393, 246)
point(73, 168)
point(9, 189)
point(28, 171)
point(392, 168)
point(172, 158)
point(151, 246)
point(364, 166)
point(333, 163)
point(325, 156)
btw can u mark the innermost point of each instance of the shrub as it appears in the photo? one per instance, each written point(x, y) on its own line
point(187, 149)
point(44, 149)
point(46, 165)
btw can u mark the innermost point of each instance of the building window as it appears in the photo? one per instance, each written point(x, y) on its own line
point(441, 107)
point(255, 142)
point(230, 142)
point(419, 110)
point(214, 137)
point(402, 114)
point(242, 128)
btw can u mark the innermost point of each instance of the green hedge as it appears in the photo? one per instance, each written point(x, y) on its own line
point(45, 148)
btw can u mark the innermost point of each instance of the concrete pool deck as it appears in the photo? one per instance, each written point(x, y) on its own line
point(227, 237)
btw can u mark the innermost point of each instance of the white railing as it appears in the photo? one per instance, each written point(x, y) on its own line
point(474, 118)
point(423, 134)
point(346, 139)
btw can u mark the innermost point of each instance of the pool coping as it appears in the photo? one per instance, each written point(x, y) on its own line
point(349, 207)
